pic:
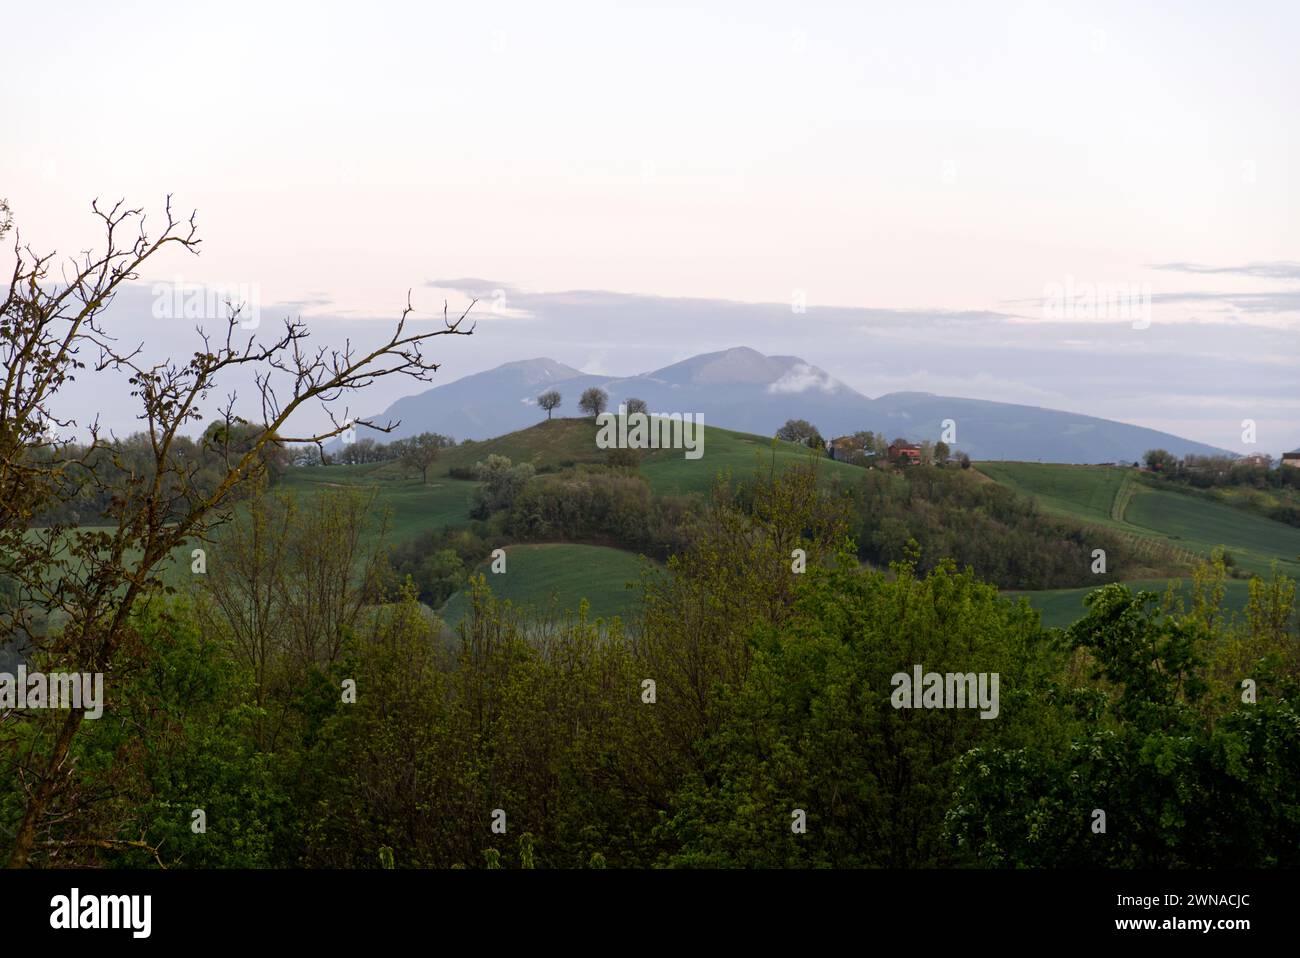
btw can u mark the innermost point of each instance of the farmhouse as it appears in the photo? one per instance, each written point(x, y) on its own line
point(1291, 458)
point(904, 453)
point(1257, 459)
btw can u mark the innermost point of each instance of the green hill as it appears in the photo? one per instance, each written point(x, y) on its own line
point(559, 576)
point(1185, 525)
point(1080, 492)
point(1179, 525)
point(668, 471)
point(549, 445)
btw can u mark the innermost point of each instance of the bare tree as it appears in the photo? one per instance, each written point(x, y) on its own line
point(594, 400)
point(635, 405)
point(549, 400)
point(93, 579)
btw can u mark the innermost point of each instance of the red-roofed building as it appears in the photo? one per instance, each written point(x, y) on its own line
point(904, 453)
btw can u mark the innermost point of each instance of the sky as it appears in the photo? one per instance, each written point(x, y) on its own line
point(898, 193)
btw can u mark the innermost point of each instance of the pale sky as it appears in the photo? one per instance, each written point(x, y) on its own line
point(931, 157)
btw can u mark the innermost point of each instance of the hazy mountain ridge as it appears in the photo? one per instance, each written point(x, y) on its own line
point(743, 389)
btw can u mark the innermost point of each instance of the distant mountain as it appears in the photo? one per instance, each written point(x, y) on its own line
point(742, 389)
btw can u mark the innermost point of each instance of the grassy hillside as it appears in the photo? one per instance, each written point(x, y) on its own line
point(561, 574)
point(552, 443)
point(668, 471)
point(549, 445)
point(1081, 492)
point(1121, 500)
point(415, 506)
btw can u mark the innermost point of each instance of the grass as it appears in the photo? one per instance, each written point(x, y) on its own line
point(1201, 524)
point(1081, 492)
point(1121, 500)
point(560, 575)
point(414, 506)
point(549, 446)
point(1062, 607)
point(669, 471)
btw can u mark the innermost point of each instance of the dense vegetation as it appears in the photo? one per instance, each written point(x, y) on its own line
point(1000, 534)
point(771, 697)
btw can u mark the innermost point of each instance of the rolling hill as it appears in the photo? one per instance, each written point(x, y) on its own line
point(557, 444)
point(1173, 523)
point(1120, 499)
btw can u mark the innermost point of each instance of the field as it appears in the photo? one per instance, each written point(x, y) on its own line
point(1121, 500)
point(1181, 524)
point(1088, 493)
point(739, 453)
point(414, 507)
point(560, 575)
point(1061, 607)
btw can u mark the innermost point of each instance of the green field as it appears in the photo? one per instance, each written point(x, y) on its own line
point(1200, 525)
point(414, 506)
point(739, 453)
point(559, 576)
point(1081, 492)
point(1062, 607)
point(1120, 499)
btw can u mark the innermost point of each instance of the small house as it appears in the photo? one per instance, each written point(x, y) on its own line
point(905, 453)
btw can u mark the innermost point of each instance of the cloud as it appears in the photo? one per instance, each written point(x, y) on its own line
point(482, 288)
point(1281, 269)
point(1097, 368)
point(800, 378)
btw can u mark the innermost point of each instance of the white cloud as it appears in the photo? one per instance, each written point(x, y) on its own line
point(800, 378)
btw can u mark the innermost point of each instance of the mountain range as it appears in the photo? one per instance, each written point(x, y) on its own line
point(742, 389)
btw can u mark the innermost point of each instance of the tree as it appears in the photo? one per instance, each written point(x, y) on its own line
point(866, 440)
point(800, 431)
point(594, 400)
point(1148, 745)
point(501, 480)
point(635, 405)
point(97, 576)
point(1159, 460)
point(420, 452)
point(941, 452)
point(549, 400)
point(965, 460)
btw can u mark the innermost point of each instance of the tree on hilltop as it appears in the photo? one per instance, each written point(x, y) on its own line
point(549, 400)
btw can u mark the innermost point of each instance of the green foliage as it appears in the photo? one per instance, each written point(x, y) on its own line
point(812, 725)
point(753, 679)
point(1181, 786)
point(999, 533)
